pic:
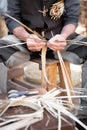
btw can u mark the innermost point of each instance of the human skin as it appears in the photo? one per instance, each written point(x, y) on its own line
point(34, 43)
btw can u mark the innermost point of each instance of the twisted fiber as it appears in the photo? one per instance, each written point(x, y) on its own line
point(44, 49)
point(41, 37)
point(21, 101)
point(57, 10)
point(66, 78)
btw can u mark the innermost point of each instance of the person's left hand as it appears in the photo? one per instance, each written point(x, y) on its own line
point(57, 43)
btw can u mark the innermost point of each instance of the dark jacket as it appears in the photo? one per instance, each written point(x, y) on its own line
point(27, 12)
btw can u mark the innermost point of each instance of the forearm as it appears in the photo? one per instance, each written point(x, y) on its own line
point(67, 30)
point(21, 33)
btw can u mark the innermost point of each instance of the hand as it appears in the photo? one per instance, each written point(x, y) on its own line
point(57, 43)
point(34, 43)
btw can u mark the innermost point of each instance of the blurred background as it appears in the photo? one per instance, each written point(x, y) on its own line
point(75, 69)
point(82, 25)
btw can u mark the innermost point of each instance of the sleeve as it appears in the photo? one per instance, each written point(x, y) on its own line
point(13, 9)
point(72, 11)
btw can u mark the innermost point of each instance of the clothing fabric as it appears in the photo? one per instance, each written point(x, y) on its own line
point(16, 55)
point(81, 51)
point(82, 113)
point(10, 57)
point(3, 78)
point(28, 15)
point(69, 54)
point(28, 12)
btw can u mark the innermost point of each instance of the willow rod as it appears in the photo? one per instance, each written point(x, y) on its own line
point(40, 36)
point(26, 27)
point(43, 56)
point(80, 43)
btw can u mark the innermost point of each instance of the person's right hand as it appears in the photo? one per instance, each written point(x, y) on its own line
point(34, 43)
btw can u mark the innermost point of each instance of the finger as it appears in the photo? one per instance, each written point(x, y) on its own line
point(57, 42)
point(56, 49)
point(35, 48)
point(38, 45)
point(56, 38)
point(31, 42)
point(56, 45)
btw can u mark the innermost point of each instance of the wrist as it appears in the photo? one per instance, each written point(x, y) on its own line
point(64, 35)
point(26, 36)
point(21, 33)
